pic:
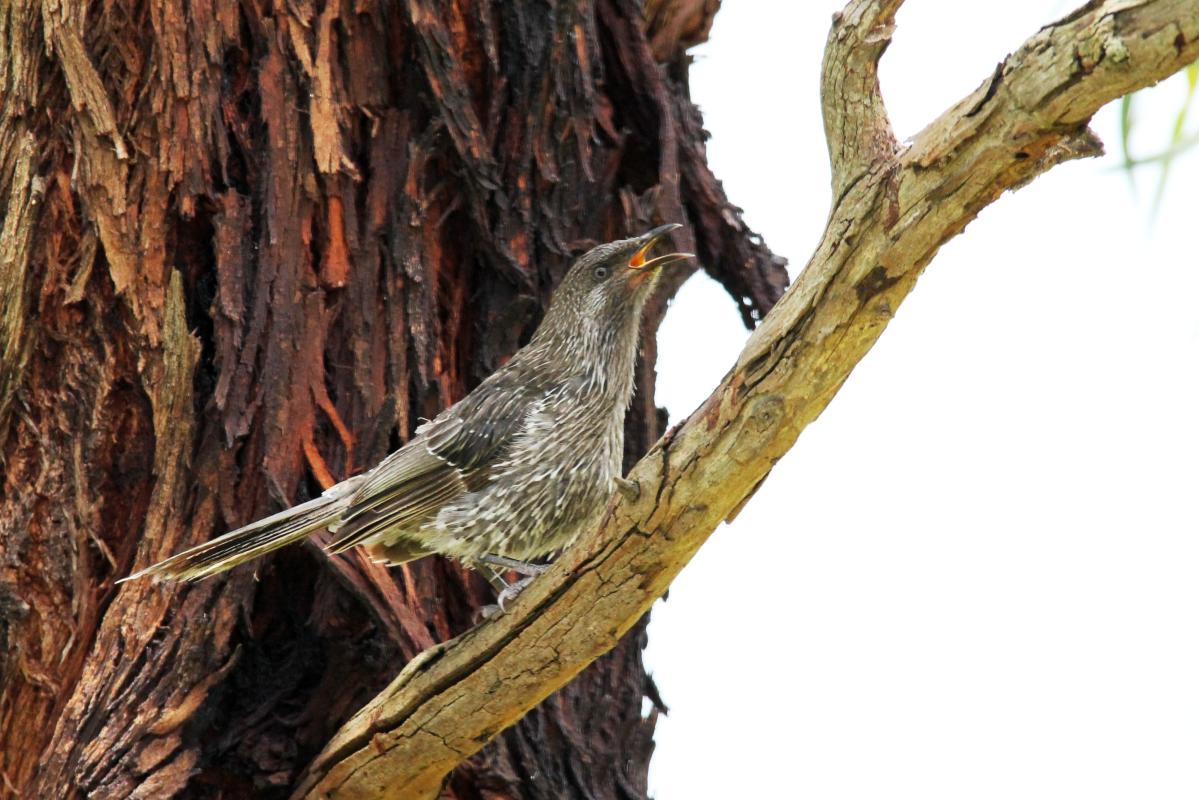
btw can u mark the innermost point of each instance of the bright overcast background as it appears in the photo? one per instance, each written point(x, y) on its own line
point(977, 574)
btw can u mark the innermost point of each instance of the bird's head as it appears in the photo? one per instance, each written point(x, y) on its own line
point(610, 283)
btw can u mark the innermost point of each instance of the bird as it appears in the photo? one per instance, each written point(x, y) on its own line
point(512, 471)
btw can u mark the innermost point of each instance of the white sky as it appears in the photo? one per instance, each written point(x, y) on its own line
point(977, 574)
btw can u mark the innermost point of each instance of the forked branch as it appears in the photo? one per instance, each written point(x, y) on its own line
point(893, 209)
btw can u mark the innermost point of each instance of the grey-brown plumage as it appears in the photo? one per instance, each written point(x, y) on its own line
point(516, 467)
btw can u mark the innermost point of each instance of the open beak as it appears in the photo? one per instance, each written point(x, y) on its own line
point(643, 265)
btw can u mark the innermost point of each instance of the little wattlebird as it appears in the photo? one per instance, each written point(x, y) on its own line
point(510, 472)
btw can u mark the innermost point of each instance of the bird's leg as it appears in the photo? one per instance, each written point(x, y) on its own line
point(512, 592)
point(630, 489)
point(493, 576)
point(499, 584)
point(505, 591)
point(523, 567)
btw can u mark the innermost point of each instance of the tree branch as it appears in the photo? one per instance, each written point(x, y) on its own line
point(892, 211)
point(855, 119)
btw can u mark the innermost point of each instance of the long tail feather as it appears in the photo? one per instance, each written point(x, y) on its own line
point(256, 539)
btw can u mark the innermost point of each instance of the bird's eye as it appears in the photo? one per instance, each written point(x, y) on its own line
point(601, 272)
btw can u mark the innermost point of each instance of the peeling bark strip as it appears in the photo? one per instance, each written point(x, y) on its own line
point(244, 248)
point(893, 208)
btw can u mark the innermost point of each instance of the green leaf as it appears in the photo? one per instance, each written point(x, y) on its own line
point(1126, 133)
point(1177, 135)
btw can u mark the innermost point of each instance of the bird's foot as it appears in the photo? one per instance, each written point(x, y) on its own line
point(507, 595)
point(512, 592)
point(630, 489)
point(506, 592)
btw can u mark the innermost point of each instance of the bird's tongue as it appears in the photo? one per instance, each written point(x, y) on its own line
point(638, 276)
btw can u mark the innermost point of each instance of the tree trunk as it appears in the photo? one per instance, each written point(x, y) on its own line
point(245, 248)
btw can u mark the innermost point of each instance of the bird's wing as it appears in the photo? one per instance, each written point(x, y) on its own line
point(409, 485)
point(449, 456)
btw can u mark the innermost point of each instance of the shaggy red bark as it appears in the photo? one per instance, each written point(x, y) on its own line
point(245, 248)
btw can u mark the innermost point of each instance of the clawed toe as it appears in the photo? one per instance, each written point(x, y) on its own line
point(506, 592)
point(509, 594)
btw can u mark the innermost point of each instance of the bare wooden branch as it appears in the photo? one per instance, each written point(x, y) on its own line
point(891, 215)
point(855, 118)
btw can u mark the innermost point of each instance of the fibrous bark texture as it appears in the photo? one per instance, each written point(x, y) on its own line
point(893, 206)
point(245, 248)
